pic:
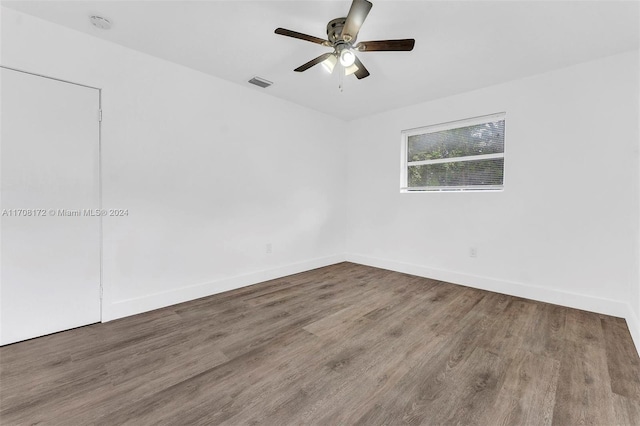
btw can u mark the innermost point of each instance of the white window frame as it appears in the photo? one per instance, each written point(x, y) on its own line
point(404, 163)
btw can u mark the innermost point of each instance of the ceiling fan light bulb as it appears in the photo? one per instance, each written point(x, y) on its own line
point(347, 58)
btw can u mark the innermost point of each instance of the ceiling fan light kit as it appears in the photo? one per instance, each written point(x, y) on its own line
point(341, 36)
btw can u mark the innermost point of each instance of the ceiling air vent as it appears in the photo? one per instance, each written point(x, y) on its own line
point(260, 82)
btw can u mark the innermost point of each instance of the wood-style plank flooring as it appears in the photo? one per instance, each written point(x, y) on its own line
point(345, 344)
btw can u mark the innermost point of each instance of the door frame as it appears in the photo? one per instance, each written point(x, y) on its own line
point(100, 118)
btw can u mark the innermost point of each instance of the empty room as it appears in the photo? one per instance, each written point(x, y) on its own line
point(331, 212)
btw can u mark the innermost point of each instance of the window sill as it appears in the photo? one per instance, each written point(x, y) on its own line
point(439, 191)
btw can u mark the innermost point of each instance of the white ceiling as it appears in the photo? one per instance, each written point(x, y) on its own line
point(460, 46)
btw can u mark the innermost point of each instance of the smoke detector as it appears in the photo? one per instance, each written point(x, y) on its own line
point(100, 22)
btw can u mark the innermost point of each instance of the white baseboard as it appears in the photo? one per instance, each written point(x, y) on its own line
point(634, 327)
point(543, 294)
point(139, 305)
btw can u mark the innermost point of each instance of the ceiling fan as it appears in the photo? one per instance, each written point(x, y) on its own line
point(341, 36)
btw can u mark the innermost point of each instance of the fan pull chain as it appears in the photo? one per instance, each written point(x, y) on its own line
point(341, 77)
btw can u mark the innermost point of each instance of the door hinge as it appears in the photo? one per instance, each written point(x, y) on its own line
point(99, 115)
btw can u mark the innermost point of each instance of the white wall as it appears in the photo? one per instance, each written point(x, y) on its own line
point(565, 228)
point(210, 171)
point(636, 293)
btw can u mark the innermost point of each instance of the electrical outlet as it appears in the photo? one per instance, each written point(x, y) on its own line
point(269, 248)
point(473, 252)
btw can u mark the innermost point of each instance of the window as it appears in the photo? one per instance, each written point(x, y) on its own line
point(465, 155)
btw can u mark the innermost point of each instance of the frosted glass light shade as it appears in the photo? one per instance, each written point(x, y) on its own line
point(330, 63)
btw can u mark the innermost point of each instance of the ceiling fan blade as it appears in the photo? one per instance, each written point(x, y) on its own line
point(385, 45)
point(357, 14)
point(313, 62)
point(301, 36)
point(362, 71)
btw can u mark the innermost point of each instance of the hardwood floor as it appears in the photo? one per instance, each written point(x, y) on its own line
point(345, 344)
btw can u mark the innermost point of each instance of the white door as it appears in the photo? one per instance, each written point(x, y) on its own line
point(50, 254)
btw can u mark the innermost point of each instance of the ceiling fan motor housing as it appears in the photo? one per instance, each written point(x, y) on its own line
point(334, 31)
